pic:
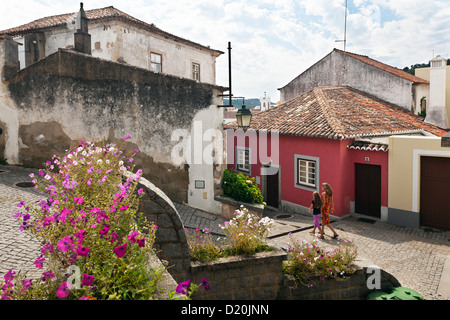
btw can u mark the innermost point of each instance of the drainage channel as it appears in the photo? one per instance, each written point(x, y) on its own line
point(25, 184)
point(291, 232)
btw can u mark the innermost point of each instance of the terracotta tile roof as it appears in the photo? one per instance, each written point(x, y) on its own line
point(385, 67)
point(338, 113)
point(108, 13)
point(366, 145)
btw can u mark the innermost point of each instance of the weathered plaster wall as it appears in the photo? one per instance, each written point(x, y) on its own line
point(69, 96)
point(338, 69)
point(119, 41)
point(9, 118)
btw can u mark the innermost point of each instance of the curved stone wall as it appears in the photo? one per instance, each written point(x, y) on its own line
point(171, 242)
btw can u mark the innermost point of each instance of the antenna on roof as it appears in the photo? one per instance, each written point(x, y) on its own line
point(345, 28)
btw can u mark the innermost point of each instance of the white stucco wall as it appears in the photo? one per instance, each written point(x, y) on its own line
point(337, 69)
point(206, 159)
point(438, 93)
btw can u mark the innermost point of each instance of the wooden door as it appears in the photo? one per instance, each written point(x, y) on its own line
point(435, 192)
point(368, 190)
point(272, 190)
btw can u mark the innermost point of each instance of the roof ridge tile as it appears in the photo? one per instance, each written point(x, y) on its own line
point(327, 111)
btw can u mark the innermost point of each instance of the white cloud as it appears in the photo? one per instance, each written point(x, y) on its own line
point(274, 41)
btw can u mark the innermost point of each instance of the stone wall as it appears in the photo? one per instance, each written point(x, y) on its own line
point(70, 96)
point(171, 242)
point(353, 288)
point(246, 277)
point(260, 277)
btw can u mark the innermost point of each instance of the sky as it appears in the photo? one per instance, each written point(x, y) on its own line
point(273, 41)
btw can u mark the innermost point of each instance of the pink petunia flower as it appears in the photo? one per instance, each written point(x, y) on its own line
point(65, 244)
point(39, 262)
point(47, 248)
point(63, 290)
point(78, 200)
point(48, 275)
point(120, 250)
point(83, 251)
point(114, 236)
point(141, 242)
point(9, 276)
point(205, 284)
point(183, 287)
point(64, 213)
point(105, 230)
point(26, 284)
point(47, 221)
point(132, 236)
point(87, 280)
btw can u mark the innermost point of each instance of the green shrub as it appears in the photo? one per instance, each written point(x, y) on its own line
point(241, 187)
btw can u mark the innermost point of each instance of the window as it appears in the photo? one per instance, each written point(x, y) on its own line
point(307, 172)
point(196, 71)
point(156, 62)
point(243, 159)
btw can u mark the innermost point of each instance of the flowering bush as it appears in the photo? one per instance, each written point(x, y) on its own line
point(307, 263)
point(89, 225)
point(246, 233)
point(202, 246)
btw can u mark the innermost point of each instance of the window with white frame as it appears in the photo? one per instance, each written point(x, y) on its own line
point(307, 171)
point(155, 62)
point(196, 71)
point(243, 159)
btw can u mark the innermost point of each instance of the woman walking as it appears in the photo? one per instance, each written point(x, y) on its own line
point(327, 207)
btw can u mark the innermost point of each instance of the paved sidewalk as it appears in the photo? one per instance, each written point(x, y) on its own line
point(18, 251)
point(416, 257)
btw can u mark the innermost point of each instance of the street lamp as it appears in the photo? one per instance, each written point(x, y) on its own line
point(243, 116)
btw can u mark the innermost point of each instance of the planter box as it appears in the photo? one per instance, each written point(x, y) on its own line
point(353, 288)
point(229, 206)
point(245, 277)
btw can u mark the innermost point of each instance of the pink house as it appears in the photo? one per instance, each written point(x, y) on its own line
point(336, 135)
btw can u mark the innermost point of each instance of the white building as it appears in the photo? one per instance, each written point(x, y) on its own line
point(437, 94)
point(118, 37)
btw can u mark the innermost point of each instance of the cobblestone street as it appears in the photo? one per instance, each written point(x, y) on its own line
point(416, 257)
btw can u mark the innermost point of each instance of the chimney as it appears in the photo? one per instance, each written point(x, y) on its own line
point(9, 57)
point(437, 109)
point(82, 36)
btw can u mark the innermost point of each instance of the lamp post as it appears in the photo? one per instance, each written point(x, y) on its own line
point(243, 117)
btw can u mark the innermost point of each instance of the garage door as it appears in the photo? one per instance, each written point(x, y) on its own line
point(435, 192)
